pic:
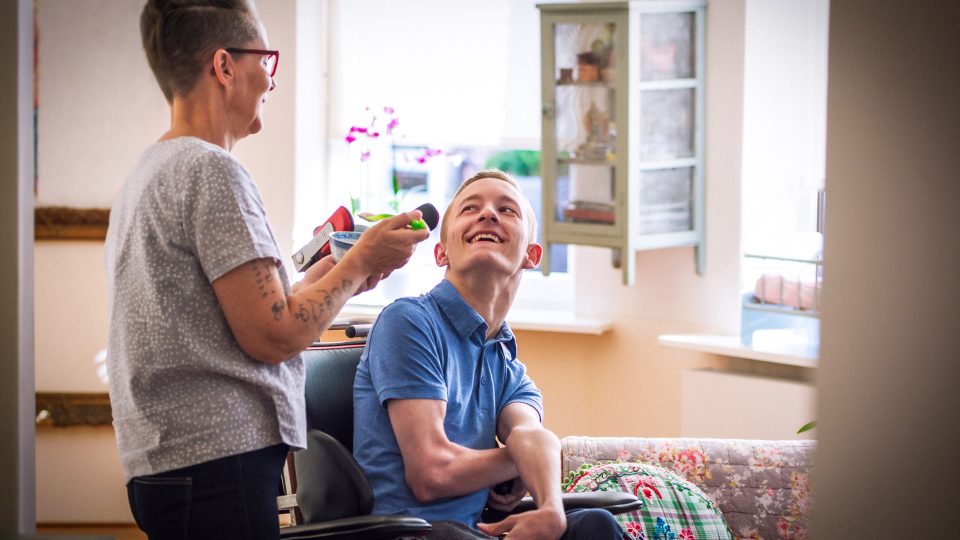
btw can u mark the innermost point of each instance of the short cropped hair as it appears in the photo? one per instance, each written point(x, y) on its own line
point(526, 207)
point(180, 37)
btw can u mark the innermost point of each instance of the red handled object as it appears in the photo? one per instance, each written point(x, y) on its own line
point(340, 220)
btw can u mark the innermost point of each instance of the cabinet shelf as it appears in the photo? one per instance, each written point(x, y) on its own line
point(622, 150)
point(667, 84)
point(589, 84)
point(586, 161)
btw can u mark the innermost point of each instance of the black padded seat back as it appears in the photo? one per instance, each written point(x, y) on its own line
point(329, 390)
point(330, 484)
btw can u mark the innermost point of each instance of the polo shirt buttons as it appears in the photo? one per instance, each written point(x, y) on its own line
point(483, 380)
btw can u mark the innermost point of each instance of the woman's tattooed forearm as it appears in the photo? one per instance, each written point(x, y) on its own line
point(322, 308)
point(307, 311)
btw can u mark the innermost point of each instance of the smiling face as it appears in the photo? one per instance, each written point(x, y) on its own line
point(488, 228)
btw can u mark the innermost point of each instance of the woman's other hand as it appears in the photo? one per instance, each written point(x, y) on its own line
point(316, 271)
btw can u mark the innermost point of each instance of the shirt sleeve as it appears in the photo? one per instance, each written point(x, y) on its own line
point(404, 356)
point(521, 389)
point(224, 217)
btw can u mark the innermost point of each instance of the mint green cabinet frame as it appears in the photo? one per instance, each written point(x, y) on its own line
point(625, 234)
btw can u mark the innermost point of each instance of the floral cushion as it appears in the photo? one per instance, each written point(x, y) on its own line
point(673, 508)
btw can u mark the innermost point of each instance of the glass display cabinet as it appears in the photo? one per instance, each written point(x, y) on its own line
point(622, 140)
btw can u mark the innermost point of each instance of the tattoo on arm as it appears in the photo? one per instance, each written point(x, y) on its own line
point(315, 310)
point(308, 311)
point(265, 281)
point(278, 308)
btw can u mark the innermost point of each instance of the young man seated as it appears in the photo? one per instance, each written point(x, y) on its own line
point(439, 384)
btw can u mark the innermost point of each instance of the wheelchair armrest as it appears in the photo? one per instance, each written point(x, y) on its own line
point(360, 528)
point(616, 502)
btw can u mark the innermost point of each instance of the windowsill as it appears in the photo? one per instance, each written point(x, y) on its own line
point(731, 346)
point(533, 320)
point(556, 321)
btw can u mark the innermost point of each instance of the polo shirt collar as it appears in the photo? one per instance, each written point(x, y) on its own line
point(466, 320)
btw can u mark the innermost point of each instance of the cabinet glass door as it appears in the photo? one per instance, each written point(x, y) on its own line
point(585, 71)
point(667, 124)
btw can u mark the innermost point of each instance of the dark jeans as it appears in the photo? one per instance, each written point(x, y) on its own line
point(582, 524)
point(232, 498)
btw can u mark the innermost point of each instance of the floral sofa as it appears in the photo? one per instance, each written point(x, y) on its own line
point(762, 487)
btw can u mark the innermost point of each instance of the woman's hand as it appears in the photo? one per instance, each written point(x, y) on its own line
point(388, 245)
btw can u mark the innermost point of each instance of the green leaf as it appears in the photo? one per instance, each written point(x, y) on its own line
point(807, 427)
point(516, 162)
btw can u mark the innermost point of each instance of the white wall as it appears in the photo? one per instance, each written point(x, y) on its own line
point(890, 349)
point(99, 108)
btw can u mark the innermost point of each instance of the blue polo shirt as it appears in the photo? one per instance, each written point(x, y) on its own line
point(433, 347)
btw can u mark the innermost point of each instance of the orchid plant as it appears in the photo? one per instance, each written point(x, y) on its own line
point(381, 123)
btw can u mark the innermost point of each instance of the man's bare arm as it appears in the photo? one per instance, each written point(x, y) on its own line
point(434, 466)
point(535, 452)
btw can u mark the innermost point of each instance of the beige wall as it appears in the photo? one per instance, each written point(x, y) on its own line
point(95, 121)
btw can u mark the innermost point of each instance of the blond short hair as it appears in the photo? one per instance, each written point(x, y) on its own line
point(526, 207)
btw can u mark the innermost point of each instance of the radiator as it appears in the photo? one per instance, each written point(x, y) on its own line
point(732, 405)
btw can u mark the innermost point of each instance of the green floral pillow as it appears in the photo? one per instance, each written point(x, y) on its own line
point(673, 508)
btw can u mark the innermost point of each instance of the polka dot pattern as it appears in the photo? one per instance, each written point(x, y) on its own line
point(182, 390)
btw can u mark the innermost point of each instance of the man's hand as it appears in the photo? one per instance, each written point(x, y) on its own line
point(540, 524)
point(506, 502)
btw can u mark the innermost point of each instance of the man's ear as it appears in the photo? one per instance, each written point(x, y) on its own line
point(534, 253)
point(223, 67)
point(440, 255)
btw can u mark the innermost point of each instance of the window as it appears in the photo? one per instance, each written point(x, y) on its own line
point(460, 81)
point(784, 145)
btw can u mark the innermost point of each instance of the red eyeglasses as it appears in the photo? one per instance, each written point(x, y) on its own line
point(271, 58)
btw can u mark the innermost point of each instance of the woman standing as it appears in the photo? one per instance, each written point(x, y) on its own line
point(206, 382)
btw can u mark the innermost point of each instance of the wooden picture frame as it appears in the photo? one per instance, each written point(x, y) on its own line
point(66, 223)
point(67, 409)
